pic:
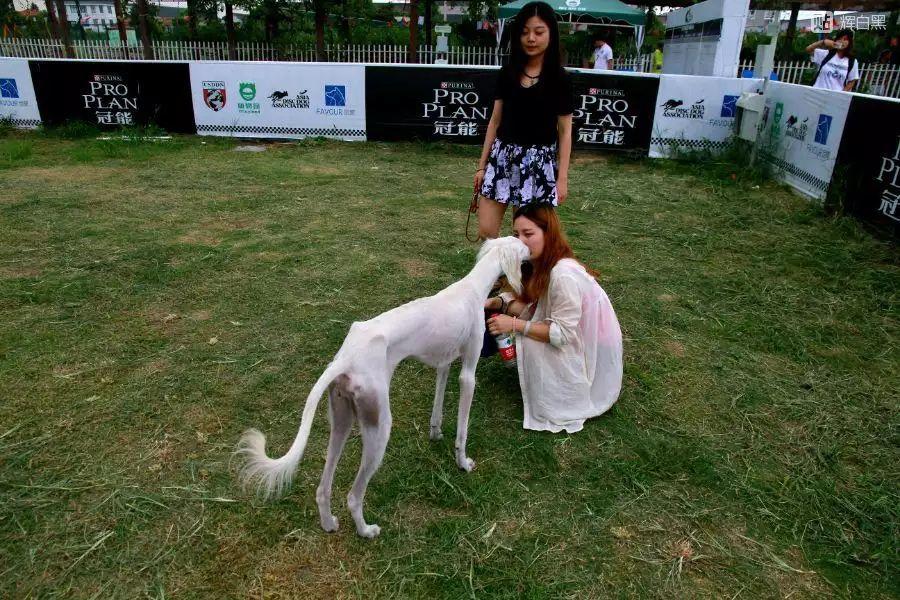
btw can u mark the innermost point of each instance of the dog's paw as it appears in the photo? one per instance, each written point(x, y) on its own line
point(369, 531)
point(466, 464)
point(330, 524)
point(435, 434)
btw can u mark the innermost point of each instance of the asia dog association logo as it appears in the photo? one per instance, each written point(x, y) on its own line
point(675, 109)
point(283, 99)
point(214, 95)
point(794, 128)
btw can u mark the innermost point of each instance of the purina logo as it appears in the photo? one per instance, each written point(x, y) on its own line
point(606, 92)
point(822, 129)
point(729, 106)
point(8, 88)
point(457, 85)
point(688, 16)
point(214, 94)
point(573, 3)
point(335, 95)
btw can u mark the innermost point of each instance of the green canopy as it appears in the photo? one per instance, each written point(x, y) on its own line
point(605, 11)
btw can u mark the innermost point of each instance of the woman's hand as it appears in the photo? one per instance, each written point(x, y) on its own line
point(479, 179)
point(500, 324)
point(562, 189)
point(495, 303)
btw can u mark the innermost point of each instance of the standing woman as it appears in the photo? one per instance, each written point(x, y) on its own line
point(526, 151)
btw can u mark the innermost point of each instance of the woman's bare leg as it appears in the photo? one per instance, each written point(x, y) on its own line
point(490, 217)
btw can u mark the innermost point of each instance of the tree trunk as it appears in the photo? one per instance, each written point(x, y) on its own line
point(54, 22)
point(429, 8)
point(229, 31)
point(787, 49)
point(413, 30)
point(120, 22)
point(145, 29)
point(64, 31)
point(345, 21)
point(192, 19)
point(320, 17)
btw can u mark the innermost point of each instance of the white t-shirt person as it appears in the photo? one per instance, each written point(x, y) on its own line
point(601, 56)
point(833, 75)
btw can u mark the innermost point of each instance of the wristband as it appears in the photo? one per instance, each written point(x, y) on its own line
point(527, 327)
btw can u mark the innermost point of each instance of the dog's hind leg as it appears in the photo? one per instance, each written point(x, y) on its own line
point(374, 414)
point(340, 415)
point(437, 413)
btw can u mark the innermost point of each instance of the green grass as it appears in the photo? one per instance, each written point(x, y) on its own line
point(160, 298)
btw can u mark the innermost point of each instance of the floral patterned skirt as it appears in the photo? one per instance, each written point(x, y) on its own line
point(520, 175)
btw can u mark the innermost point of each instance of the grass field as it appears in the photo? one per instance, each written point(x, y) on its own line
point(160, 298)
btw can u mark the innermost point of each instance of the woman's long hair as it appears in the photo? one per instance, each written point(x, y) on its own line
point(848, 51)
point(536, 273)
point(517, 57)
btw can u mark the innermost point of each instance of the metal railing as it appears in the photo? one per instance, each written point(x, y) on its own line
point(874, 78)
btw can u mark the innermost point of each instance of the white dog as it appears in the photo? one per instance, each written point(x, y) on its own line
point(436, 330)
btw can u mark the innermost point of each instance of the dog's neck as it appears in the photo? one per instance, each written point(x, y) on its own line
point(485, 273)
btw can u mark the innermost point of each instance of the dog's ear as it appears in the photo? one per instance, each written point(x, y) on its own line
point(486, 246)
point(511, 257)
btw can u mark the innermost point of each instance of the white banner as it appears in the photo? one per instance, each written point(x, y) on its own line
point(17, 101)
point(279, 100)
point(696, 113)
point(801, 133)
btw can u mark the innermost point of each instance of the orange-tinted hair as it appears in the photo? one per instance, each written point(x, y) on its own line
point(536, 278)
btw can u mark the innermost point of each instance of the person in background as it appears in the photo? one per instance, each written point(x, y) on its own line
point(837, 65)
point(525, 156)
point(658, 59)
point(603, 55)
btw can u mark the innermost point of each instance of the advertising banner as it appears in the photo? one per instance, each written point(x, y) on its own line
point(429, 103)
point(113, 93)
point(696, 113)
point(17, 100)
point(279, 100)
point(868, 164)
point(613, 111)
point(801, 133)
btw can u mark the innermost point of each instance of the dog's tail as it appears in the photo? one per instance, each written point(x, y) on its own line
point(272, 476)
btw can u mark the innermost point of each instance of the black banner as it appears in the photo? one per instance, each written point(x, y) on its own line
point(868, 162)
point(112, 94)
point(452, 104)
point(613, 112)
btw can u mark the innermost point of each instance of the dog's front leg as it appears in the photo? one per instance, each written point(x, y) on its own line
point(437, 413)
point(466, 392)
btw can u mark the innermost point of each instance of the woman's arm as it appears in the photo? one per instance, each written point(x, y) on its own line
point(537, 330)
point(491, 134)
point(564, 130)
point(513, 308)
point(826, 43)
point(850, 85)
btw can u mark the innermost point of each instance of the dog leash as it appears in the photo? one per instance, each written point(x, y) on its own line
point(473, 208)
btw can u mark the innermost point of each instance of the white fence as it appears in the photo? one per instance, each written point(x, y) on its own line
point(364, 53)
point(874, 78)
point(882, 80)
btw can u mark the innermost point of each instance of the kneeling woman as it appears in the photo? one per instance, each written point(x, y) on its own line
point(568, 340)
